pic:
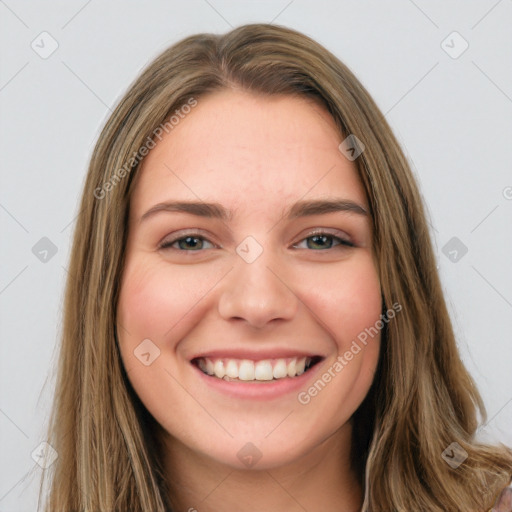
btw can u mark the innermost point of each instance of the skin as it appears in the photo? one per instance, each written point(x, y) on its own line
point(504, 503)
point(255, 156)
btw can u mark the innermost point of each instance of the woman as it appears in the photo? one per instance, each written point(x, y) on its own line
point(253, 318)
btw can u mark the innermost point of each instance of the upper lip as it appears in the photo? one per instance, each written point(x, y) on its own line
point(254, 355)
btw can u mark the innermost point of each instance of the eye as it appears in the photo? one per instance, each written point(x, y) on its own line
point(189, 243)
point(321, 241)
point(194, 242)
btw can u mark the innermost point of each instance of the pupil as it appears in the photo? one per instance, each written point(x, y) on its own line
point(191, 242)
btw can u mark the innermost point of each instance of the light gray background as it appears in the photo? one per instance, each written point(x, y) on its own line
point(451, 115)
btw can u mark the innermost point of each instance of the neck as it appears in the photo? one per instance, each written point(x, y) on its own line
point(320, 480)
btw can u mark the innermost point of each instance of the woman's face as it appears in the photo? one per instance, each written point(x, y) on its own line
point(250, 254)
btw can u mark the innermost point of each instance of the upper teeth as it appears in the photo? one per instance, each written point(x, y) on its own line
point(245, 369)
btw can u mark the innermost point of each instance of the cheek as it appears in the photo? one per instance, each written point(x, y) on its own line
point(346, 301)
point(348, 305)
point(144, 307)
point(159, 302)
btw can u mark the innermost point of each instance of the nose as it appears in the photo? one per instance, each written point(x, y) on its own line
point(257, 294)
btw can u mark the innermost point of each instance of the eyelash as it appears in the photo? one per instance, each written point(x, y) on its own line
point(342, 242)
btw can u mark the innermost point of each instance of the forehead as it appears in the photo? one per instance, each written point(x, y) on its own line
point(248, 150)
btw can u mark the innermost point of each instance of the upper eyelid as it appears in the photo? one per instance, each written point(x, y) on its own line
point(194, 234)
point(324, 231)
point(347, 242)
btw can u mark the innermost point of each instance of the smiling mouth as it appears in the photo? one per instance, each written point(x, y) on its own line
point(247, 370)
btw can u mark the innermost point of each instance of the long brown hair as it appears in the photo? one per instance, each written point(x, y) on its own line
point(422, 399)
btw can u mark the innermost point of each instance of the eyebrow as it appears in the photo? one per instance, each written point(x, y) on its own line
point(217, 211)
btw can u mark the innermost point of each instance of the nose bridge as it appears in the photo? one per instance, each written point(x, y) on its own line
point(253, 291)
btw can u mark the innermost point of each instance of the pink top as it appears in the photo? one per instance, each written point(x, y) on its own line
point(504, 502)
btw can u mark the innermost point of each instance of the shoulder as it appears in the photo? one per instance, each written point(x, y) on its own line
point(504, 501)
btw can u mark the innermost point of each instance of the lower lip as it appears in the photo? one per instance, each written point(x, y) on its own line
point(260, 390)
